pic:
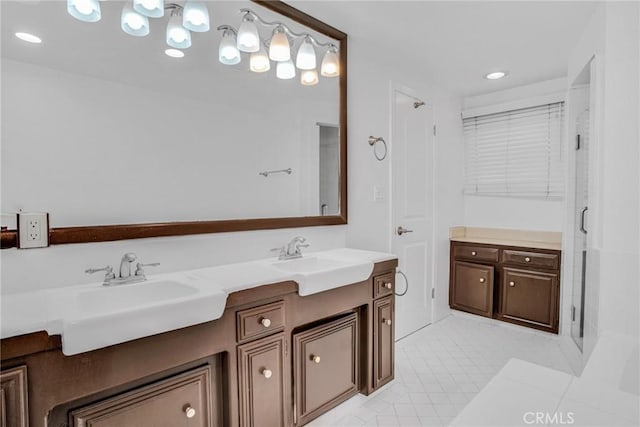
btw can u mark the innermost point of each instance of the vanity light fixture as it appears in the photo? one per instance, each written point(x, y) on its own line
point(195, 16)
point(248, 36)
point(84, 10)
point(29, 38)
point(495, 75)
point(132, 22)
point(177, 36)
point(309, 77)
point(285, 70)
point(279, 48)
point(149, 8)
point(330, 63)
point(228, 52)
point(174, 53)
point(259, 61)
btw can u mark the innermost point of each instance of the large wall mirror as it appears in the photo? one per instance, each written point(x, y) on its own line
point(118, 140)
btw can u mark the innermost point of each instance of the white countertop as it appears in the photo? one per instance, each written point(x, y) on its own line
point(507, 237)
point(57, 311)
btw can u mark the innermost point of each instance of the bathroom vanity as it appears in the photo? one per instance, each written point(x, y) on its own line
point(273, 358)
point(507, 275)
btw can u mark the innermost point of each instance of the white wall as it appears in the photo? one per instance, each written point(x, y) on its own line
point(509, 212)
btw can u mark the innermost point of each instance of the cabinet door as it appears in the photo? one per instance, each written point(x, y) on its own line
point(13, 398)
point(383, 341)
point(472, 288)
point(261, 382)
point(325, 367)
point(182, 400)
point(530, 296)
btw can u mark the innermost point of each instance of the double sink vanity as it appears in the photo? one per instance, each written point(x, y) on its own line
point(268, 343)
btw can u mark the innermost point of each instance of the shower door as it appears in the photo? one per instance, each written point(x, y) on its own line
point(580, 233)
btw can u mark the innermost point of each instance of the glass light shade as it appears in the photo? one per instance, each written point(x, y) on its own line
point(248, 37)
point(195, 16)
point(285, 70)
point(279, 49)
point(28, 37)
point(228, 52)
point(330, 64)
point(306, 59)
point(133, 23)
point(178, 36)
point(84, 10)
point(309, 77)
point(174, 53)
point(259, 61)
point(150, 8)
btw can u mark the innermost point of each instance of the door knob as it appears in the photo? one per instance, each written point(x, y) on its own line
point(189, 411)
point(387, 285)
point(267, 373)
point(316, 359)
point(482, 280)
point(401, 230)
point(265, 322)
point(386, 322)
point(512, 284)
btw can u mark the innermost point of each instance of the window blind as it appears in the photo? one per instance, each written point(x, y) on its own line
point(515, 153)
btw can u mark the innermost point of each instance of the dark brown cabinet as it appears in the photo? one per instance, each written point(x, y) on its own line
point(515, 284)
point(529, 296)
point(182, 400)
point(261, 382)
point(13, 398)
point(383, 341)
point(472, 288)
point(325, 363)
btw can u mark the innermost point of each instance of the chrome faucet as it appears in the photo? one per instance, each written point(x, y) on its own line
point(129, 258)
point(292, 249)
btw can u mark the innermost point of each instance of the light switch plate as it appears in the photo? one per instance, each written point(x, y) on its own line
point(33, 230)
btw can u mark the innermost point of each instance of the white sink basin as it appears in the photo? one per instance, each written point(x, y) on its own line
point(105, 315)
point(318, 273)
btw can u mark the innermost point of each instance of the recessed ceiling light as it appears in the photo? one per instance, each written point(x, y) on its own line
point(495, 75)
point(174, 53)
point(30, 38)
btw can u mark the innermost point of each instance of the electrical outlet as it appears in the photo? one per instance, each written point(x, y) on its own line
point(33, 230)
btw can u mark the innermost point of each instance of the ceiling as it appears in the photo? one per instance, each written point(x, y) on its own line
point(455, 43)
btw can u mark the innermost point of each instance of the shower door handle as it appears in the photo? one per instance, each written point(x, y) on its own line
point(584, 211)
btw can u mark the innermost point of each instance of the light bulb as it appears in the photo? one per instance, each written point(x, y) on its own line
point(84, 10)
point(495, 75)
point(28, 37)
point(330, 64)
point(285, 70)
point(133, 23)
point(306, 59)
point(248, 37)
point(195, 16)
point(228, 52)
point(259, 61)
point(178, 36)
point(174, 53)
point(150, 8)
point(279, 49)
point(309, 77)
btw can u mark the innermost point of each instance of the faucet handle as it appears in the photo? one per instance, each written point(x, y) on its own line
point(140, 267)
point(108, 272)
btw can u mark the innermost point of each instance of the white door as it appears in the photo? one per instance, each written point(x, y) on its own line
point(412, 210)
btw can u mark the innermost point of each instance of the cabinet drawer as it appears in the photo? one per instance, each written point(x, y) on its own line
point(535, 259)
point(261, 382)
point(260, 321)
point(476, 252)
point(13, 398)
point(530, 297)
point(177, 401)
point(383, 285)
point(472, 288)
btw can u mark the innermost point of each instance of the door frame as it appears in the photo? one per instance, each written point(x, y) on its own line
point(408, 91)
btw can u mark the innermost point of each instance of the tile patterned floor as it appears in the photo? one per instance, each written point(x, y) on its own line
point(440, 368)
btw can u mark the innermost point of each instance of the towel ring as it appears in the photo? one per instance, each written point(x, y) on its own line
point(406, 281)
point(373, 141)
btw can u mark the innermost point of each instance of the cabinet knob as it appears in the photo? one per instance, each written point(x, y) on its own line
point(482, 280)
point(387, 285)
point(474, 253)
point(189, 411)
point(267, 373)
point(527, 259)
point(386, 322)
point(265, 322)
point(316, 359)
point(512, 284)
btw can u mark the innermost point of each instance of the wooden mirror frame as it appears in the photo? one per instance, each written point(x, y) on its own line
point(105, 233)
